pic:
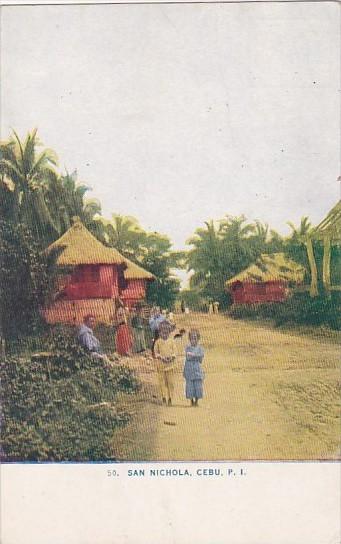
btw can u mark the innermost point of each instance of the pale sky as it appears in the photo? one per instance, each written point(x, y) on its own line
point(176, 114)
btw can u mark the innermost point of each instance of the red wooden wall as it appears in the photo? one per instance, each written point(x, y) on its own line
point(93, 281)
point(136, 290)
point(249, 293)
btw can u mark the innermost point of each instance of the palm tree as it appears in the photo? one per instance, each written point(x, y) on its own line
point(275, 243)
point(295, 244)
point(239, 247)
point(65, 199)
point(29, 171)
point(303, 229)
point(221, 250)
point(261, 232)
point(125, 234)
point(206, 259)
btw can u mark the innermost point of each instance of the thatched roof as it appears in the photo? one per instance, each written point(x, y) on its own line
point(135, 272)
point(274, 267)
point(79, 246)
point(330, 225)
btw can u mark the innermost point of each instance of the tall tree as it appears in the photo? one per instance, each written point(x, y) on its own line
point(127, 236)
point(150, 250)
point(295, 248)
point(205, 259)
point(28, 171)
point(65, 198)
point(221, 250)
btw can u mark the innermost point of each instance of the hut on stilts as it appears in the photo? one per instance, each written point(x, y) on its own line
point(92, 278)
point(269, 279)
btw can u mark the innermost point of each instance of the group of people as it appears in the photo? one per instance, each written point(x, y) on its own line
point(213, 307)
point(164, 349)
point(130, 330)
point(165, 353)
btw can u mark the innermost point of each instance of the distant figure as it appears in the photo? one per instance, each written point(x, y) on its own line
point(193, 372)
point(187, 310)
point(137, 324)
point(155, 320)
point(88, 340)
point(210, 308)
point(165, 353)
point(216, 307)
point(123, 340)
point(183, 306)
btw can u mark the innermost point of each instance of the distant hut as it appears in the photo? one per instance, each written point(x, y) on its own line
point(268, 280)
point(91, 278)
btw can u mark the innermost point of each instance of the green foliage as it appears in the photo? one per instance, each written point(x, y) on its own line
point(224, 248)
point(26, 275)
point(194, 299)
point(150, 250)
point(62, 407)
point(24, 171)
point(65, 198)
point(299, 309)
point(221, 250)
point(35, 195)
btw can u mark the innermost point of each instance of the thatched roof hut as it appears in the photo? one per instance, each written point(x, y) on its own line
point(90, 275)
point(273, 267)
point(79, 247)
point(266, 280)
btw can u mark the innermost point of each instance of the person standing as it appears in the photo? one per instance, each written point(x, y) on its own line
point(193, 372)
point(137, 324)
point(124, 340)
point(165, 354)
point(216, 307)
point(154, 323)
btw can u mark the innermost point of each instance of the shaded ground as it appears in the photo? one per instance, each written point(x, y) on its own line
point(268, 395)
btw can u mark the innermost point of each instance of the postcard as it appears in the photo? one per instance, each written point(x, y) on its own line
point(170, 279)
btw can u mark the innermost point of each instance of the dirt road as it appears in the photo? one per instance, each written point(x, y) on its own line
point(268, 395)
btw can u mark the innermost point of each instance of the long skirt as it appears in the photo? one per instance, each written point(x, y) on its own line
point(194, 389)
point(139, 341)
point(124, 340)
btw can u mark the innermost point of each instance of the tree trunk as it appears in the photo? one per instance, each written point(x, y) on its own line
point(313, 269)
point(326, 265)
point(2, 339)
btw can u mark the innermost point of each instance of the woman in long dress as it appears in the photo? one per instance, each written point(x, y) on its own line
point(124, 339)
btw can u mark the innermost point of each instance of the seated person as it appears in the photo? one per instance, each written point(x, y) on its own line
point(88, 340)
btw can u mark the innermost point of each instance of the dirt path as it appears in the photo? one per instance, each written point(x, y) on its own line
point(268, 395)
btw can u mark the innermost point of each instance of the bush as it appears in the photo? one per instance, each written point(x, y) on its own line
point(62, 408)
point(300, 309)
point(26, 277)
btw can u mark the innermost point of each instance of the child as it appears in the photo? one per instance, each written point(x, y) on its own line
point(165, 354)
point(193, 372)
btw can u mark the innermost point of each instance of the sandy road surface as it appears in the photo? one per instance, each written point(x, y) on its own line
point(268, 395)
